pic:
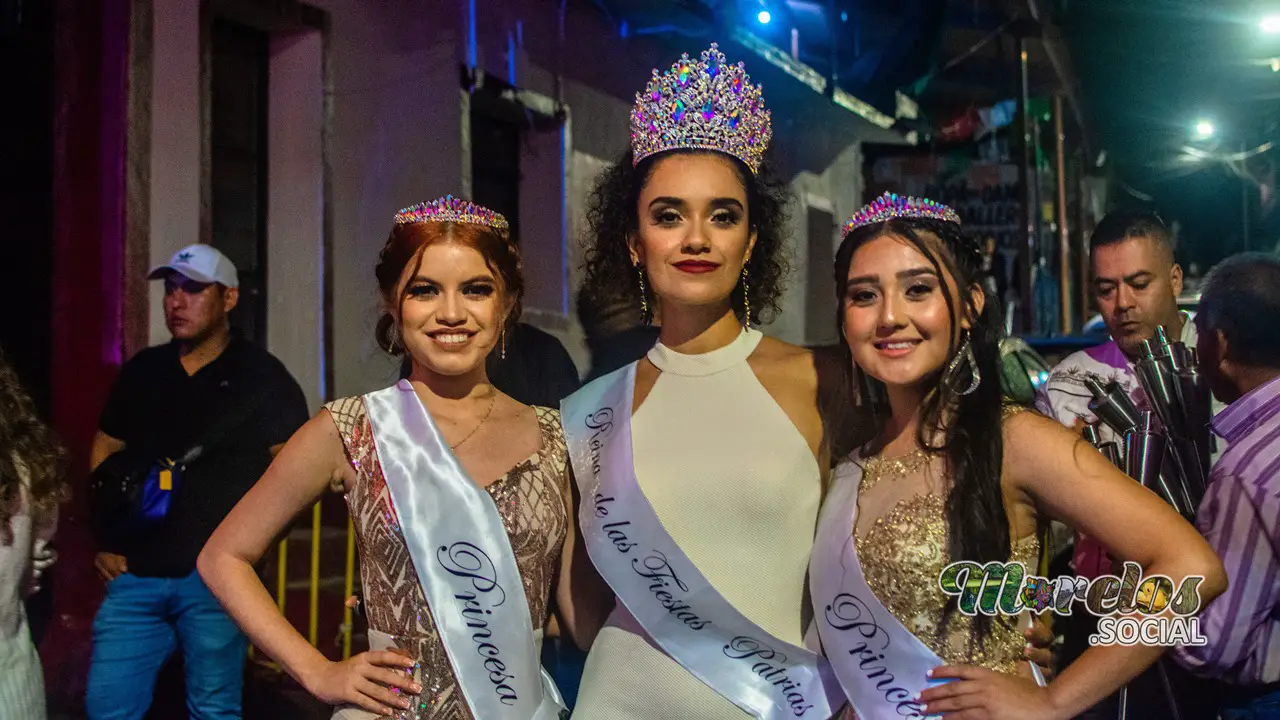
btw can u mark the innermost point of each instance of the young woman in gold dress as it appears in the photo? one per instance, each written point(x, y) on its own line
point(946, 471)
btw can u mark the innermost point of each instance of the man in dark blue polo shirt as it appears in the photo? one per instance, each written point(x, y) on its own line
point(211, 388)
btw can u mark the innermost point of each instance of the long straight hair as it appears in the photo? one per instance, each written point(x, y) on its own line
point(965, 430)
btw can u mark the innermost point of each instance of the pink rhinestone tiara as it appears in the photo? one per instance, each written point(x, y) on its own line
point(703, 105)
point(893, 205)
point(452, 209)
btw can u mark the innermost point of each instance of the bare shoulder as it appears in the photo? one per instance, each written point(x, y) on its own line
point(788, 374)
point(1033, 443)
point(776, 350)
point(521, 426)
point(510, 408)
point(320, 441)
point(515, 419)
point(782, 364)
point(1025, 425)
point(320, 433)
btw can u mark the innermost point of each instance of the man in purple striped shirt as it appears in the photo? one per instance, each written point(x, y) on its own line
point(1239, 348)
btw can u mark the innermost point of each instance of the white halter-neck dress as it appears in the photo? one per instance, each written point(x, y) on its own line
point(735, 484)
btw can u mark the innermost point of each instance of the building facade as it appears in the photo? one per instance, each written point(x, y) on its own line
point(369, 107)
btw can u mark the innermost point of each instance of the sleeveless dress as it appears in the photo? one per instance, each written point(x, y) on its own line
point(902, 554)
point(531, 499)
point(736, 485)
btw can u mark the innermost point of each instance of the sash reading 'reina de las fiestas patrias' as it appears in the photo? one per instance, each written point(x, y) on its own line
point(465, 565)
point(662, 588)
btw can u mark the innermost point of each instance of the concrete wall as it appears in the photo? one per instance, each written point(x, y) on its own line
point(396, 137)
point(175, 139)
point(296, 209)
point(838, 190)
point(394, 119)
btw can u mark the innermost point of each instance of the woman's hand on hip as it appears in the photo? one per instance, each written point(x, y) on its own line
point(366, 680)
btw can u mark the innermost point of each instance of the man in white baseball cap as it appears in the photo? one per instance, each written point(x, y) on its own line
point(203, 415)
point(200, 290)
point(202, 263)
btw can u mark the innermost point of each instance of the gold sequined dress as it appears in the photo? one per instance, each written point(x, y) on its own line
point(531, 499)
point(901, 541)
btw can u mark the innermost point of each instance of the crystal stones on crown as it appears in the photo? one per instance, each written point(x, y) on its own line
point(452, 209)
point(707, 104)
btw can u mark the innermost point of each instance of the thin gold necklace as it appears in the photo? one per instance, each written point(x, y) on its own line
point(880, 467)
point(492, 401)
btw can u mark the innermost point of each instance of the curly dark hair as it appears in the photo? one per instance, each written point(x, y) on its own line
point(613, 214)
point(28, 448)
point(970, 426)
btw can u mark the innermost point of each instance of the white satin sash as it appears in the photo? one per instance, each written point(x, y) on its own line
point(881, 665)
point(658, 584)
point(464, 561)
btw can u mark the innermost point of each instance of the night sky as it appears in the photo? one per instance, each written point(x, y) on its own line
point(1150, 70)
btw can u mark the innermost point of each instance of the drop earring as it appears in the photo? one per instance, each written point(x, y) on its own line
point(644, 296)
point(965, 355)
point(393, 338)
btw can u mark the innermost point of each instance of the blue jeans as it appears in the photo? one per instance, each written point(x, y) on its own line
point(141, 622)
point(1262, 704)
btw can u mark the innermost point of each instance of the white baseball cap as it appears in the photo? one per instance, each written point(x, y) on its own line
point(202, 263)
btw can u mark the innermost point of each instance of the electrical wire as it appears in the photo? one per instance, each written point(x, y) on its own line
point(976, 47)
point(1234, 157)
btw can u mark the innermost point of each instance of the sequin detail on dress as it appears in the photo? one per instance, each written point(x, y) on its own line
point(903, 553)
point(531, 500)
point(902, 557)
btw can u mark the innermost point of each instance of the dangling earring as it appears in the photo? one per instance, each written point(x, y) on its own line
point(746, 299)
point(965, 354)
point(644, 297)
point(502, 341)
point(393, 338)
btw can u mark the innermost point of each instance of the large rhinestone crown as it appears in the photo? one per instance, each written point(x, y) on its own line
point(452, 209)
point(706, 104)
point(893, 205)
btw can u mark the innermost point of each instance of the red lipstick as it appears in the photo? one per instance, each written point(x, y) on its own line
point(696, 266)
